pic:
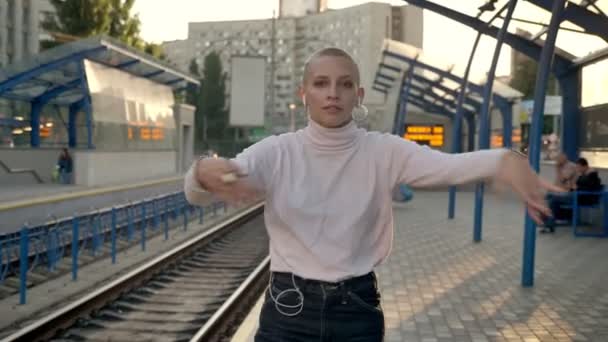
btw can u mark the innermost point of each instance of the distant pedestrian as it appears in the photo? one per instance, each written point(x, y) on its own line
point(65, 166)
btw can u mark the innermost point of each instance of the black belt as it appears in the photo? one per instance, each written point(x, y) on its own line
point(286, 278)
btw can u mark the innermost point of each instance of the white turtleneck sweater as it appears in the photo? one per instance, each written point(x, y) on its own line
point(329, 193)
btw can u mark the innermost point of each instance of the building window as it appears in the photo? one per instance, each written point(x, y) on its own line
point(25, 17)
point(25, 46)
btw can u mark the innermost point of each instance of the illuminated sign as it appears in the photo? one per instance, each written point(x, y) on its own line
point(496, 140)
point(146, 133)
point(45, 132)
point(425, 134)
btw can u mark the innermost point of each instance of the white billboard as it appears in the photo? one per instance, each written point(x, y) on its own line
point(247, 91)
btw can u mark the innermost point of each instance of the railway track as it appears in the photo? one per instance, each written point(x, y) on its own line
point(195, 292)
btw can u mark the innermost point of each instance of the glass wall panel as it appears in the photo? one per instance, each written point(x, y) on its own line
point(129, 112)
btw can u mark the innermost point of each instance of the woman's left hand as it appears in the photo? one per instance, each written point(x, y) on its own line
point(515, 172)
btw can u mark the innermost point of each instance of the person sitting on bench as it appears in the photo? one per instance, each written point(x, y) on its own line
point(588, 180)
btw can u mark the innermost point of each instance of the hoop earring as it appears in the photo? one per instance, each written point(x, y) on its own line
point(360, 112)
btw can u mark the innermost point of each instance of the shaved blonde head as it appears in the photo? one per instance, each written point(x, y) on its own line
point(331, 52)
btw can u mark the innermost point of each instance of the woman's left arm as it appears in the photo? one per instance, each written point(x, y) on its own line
point(420, 166)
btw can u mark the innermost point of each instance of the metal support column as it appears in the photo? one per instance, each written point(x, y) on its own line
point(471, 134)
point(36, 108)
point(507, 124)
point(457, 127)
point(540, 88)
point(484, 119)
point(405, 93)
point(88, 111)
point(86, 105)
point(570, 84)
point(72, 132)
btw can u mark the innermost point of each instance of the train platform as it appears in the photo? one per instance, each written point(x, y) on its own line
point(438, 285)
point(23, 194)
point(58, 292)
point(38, 203)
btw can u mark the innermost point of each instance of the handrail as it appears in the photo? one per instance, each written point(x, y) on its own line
point(31, 171)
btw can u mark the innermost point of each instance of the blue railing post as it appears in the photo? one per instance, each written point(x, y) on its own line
point(129, 223)
point(96, 233)
point(201, 214)
point(175, 208)
point(51, 249)
point(75, 246)
point(544, 66)
point(113, 235)
point(143, 226)
point(185, 211)
point(166, 218)
point(23, 263)
point(155, 210)
point(484, 116)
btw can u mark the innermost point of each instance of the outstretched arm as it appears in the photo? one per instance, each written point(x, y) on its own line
point(421, 166)
point(236, 180)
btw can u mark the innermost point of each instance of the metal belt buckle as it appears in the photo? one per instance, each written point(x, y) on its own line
point(334, 286)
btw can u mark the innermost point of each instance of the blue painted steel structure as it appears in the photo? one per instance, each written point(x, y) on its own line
point(484, 118)
point(457, 128)
point(536, 133)
point(57, 76)
point(502, 103)
point(563, 66)
point(422, 102)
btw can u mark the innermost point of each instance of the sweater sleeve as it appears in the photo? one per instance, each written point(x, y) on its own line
point(195, 194)
point(256, 163)
point(421, 166)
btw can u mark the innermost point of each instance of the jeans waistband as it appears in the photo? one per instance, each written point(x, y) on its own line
point(365, 281)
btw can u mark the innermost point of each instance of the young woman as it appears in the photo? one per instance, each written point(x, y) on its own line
point(328, 191)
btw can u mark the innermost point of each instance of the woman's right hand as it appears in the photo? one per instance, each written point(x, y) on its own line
point(223, 178)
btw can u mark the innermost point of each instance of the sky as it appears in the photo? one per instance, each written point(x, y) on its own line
point(168, 20)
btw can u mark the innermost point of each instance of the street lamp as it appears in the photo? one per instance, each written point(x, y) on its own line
point(292, 119)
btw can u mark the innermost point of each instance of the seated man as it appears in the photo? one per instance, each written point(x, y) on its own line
point(588, 180)
point(565, 172)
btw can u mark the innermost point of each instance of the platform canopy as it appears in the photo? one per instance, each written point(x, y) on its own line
point(56, 75)
point(437, 80)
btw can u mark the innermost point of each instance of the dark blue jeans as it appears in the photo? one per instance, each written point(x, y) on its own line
point(347, 311)
point(556, 203)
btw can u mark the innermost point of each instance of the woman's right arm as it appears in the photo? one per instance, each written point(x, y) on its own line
point(235, 180)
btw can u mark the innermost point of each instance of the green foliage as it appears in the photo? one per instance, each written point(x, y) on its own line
point(212, 130)
point(524, 79)
point(83, 18)
point(80, 18)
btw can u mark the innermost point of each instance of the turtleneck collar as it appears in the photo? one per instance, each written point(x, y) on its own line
point(331, 139)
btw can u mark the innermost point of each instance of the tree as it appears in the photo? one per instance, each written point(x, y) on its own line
point(124, 26)
point(76, 19)
point(524, 80)
point(81, 18)
point(193, 97)
point(212, 106)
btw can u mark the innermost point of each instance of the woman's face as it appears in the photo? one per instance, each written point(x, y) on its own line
point(331, 90)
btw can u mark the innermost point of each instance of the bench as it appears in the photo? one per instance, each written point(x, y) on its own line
point(600, 203)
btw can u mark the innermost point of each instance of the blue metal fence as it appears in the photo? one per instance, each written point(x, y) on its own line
point(94, 234)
